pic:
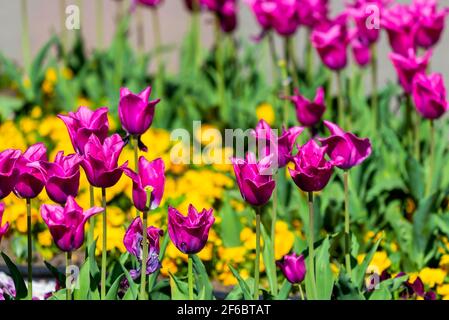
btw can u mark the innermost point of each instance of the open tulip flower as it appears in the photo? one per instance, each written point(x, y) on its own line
point(190, 233)
point(151, 175)
point(407, 67)
point(85, 122)
point(30, 181)
point(309, 113)
point(255, 179)
point(8, 171)
point(62, 177)
point(345, 149)
point(312, 171)
point(67, 223)
point(311, 13)
point(133, 241)
point(293, 267)
point(3, 228)
point(101, 161)
point(429, 95)
point(430, 22)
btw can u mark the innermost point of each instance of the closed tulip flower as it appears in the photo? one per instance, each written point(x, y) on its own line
point(3, 228)
point(66, 224)
point(311, 13)
point(85, 122)
point(226, 12)
point(8, 171)
point(309, 113)
point(62, 177)
point(429, 95)
point(148, 3)
point(30, 181)
point(430, 22)
point(101, 161)
point(293, 267)
point(345, 149)
point(190, 233)
point(361, 51)
point(133, 243)
point(254, 179)
point(136, 111)
point(312, 171)
point(409, 66)
point(151, 175)
point(399, 22)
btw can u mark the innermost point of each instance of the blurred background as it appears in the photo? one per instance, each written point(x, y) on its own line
point(45, 19)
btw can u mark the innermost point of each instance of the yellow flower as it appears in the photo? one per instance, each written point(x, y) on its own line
point(51, 75)
point(26, 82)
point(443, 290)
point(82, 101)
point(36, 112)
point(207, 252)
point(248, 238)
point(335, 269)
point(284, 240)
point(235, 254)
point(238, 206)
point(67, 73)
point(378, 264)
point(265, 111)
point(444, 262)
point(116, 216)
point(114, 237)
point(44, 238)
point(432, 276)
point(48, 87)
point(168, 265)
point(208, 134)
point(11, 137)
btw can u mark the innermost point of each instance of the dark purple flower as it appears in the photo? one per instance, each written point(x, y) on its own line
point(312, 13)
point(430, 22)
point(429, 95)
point(8, 171)
point(30, 181)
point(3, 228)
point(361, 51)
point(225, 10)
point(400, 24)
point(293, 267)
point(309, 113)
point(148, 3)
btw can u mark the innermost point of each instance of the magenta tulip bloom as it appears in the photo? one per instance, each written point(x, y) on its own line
point(190, 233)
point(66, 223)
point(361, 51)
point(62, 177)
point(148, 3)
point(133, 244)
point(409, 66)
point(255, 179)
point(345, 149)
point(311, 13)
point(293, 267)
point(136, 111)
point(8, 171)
point(430, 22)
point(429, 95)
point(399, 22)
point(101, 161)
point(286, 142)
point(225, 10)
point(151, 175)
point(331, 40)
point(309, 113)
point(312, 171)
point(280, 15)
point(85, 122)
point(3, 228)
point(30, 181)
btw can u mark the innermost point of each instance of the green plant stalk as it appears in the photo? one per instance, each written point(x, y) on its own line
point(157, 36)
point(286, 89)
point(219, 64)
point(143, 269)
point(290, 58)
point(196, 24)
point(309, 59)
point(140, 30)
point(25, 37)
point(190, 277)
point(104, 245)
point(68, 263)
point(329, 97)
point(91, 231)
point(99, 23)
point(417, 137)
point(257, 262)
point(30, 250)
point(341, 107)
point(274, 57)
point(301, 293)
point(311, 246)
point(347, 224)
point(374, 87)
point(432, 157)
point(408, 122)
point(273, 231)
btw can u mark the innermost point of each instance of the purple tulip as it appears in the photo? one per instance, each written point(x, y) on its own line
point(148, 3)
point(430, 22)
point(133, 244)
point(67, 223)
point(5, 227)
point(331, 40)
point(309, 113)
point(293, 267)
point(151, 175)
point(8, 171)
point(101, 161)
point(361, 51)
point(312, 171)
point(409, 66)
point(30, 181)
point(429, 95)
point(280, 15)
point(311, 13)
point(136, 111)
point(254, 179)
point(345, 149)
point(225, 10)
point(85, 122)
point(190, 233)
point(399, 22)
point(62, 177)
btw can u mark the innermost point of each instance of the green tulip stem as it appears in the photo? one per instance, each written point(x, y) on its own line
point(286, 88)
point(341, 107)
point(219, 64)
point(290, 58)
point(311, 246)
point(273, 231)
point(190, 276)
point(136, 154)
point(374, 88)
point(274, 58)
point(91, 231)
point(309, 59)
point(30, 250)
point(143, 269)
point(257, 262)
point(347, 223)
point(301, 293)
point(432, 157)
point(104, 245)
point(26, 36)
point(68, 263)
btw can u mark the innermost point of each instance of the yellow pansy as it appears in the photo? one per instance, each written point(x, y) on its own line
point(378, 264)
point(265, 111)
point(284, 239)
point(44, 238)
point(432, 276)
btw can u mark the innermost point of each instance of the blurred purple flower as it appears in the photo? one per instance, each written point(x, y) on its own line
point(429, 95)
point(8, 171)
point(30, 181)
